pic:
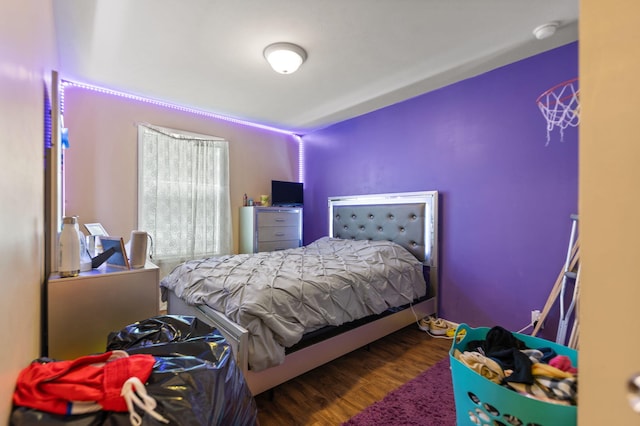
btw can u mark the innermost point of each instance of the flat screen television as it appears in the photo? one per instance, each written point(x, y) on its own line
point(286, 193)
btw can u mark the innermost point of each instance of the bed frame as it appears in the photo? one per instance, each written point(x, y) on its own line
point(409, 219)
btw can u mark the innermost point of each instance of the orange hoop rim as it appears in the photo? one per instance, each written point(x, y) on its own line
point(554, 88)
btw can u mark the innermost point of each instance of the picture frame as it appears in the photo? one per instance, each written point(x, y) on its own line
point(119, 258)
point(96, 229)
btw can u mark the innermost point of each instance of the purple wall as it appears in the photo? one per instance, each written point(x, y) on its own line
point(505, 197)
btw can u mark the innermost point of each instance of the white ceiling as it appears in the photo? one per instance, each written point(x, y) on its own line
point(362, 54)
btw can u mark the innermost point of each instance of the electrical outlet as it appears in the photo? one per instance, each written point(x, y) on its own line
point(535, 316)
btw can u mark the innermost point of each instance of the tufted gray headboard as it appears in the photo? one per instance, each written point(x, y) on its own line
point(409, 219)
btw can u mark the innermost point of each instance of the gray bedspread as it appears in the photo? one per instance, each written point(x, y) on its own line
point(278, 296)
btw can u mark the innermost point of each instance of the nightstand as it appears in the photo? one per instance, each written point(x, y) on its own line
point(83, 310)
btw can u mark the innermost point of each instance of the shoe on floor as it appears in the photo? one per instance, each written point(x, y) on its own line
point(423, 324)
point(438, 326)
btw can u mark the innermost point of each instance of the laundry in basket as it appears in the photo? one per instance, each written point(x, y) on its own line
point(481, 401)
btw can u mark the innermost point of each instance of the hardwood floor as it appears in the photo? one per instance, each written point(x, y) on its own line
point(333, 393)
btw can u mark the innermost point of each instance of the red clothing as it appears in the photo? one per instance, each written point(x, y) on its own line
point(86, 384)
point(562, 362)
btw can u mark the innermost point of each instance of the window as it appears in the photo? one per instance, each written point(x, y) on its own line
point(183, 195)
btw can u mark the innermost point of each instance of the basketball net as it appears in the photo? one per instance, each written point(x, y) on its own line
point(560, 106)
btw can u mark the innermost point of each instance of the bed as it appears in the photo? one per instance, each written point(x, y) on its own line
point(375, 272)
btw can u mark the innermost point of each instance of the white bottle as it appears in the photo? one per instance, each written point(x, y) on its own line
point(69, 248)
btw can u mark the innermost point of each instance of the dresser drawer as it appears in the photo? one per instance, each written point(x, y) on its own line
point(277, 245)
point(266, 218)
point(277, 233)
point(269, 228)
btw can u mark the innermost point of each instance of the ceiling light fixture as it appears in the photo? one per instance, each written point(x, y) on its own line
point(546, 30)
point(285, 58)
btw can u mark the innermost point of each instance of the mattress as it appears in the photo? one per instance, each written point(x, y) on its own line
point(279, 296)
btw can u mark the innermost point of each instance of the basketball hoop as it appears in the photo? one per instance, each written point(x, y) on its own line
point(560, 106)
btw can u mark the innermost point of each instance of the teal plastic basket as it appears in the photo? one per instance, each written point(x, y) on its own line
point(479, 401)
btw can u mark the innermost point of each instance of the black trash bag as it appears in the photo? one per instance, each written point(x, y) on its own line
point(160, 329)
point(195, 380)
point(24, 416)
point(188, 391)
point(209, 394)
point(171, 335)
point(186, 337)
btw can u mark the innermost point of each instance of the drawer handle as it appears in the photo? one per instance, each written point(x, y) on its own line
point(279, 234)
point(280, 219)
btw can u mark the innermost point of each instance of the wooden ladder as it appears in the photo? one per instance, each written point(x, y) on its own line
point(569, 273)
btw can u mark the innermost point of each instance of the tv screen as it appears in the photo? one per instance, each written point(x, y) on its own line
point(286, 193)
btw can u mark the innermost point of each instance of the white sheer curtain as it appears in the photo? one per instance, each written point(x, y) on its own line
point(183, 195)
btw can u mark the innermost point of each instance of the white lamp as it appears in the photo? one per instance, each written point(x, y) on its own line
point(285, 58)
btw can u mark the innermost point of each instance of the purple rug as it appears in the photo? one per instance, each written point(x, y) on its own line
point(426, 400)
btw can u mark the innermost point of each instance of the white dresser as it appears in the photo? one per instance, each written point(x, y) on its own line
point(270, 228)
